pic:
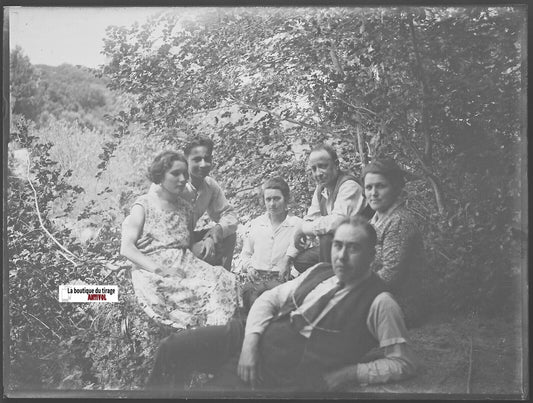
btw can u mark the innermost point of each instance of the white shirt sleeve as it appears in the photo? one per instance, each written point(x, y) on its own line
point(385, 322)
point(269, 303)
point(349, 202)
point(292, 251)
point(314, 209)
point(220, 211)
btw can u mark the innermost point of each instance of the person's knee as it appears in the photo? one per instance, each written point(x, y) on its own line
point(225, 251)
point(300, 265)
point(197, 249)
point(228, 243)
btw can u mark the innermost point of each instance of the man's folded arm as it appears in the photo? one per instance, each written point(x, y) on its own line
point(348, 202)
point(220, 211)
point(399, 363)
point(268, 305)
point(396, 360)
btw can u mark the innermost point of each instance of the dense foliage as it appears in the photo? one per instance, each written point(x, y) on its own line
point(437, 89)
point(66, 346)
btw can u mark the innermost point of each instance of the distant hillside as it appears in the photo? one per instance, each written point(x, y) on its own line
point(65, 92)
point(74, 93)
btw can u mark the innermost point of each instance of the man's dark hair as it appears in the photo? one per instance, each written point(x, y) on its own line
point(199, 141)
point(360, 221)
point(162, 163)
point(327, 148)
point(277, 182)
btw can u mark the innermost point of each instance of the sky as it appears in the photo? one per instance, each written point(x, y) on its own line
point(73, 35)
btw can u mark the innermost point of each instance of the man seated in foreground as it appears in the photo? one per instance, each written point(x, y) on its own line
point(308, 334)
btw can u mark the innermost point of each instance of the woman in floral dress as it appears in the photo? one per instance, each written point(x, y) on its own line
point(173, 286)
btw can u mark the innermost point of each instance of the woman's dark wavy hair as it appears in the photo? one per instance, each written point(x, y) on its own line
point(162, 163)
point(277, 182)
point(389, 169)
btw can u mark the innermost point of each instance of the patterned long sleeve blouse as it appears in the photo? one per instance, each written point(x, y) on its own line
point(400, 258)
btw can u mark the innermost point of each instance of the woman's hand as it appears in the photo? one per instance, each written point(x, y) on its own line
point(132, 228)
point(144, 241)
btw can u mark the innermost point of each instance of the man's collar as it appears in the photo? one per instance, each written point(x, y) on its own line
point(202, 183)
point(323, 187)
point(358, 281)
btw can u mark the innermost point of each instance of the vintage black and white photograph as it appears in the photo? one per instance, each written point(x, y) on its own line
point(278, 202)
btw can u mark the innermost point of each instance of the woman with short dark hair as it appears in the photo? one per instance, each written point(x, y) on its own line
point(173, 286)
point(400, 259)
point(268, 242)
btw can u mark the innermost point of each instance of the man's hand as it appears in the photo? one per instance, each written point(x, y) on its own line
point(251, 275)
point(215, 234)
point(285, 268)
point(300, 239)
point(208, 249)
point(248, 368)
point(204, 249)
point(341, 377)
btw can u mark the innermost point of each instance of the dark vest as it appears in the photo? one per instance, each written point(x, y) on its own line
point(366, 211)
point(348, 338)
point(341, 178)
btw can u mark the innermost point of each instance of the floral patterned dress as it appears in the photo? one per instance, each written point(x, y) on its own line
point(189, 292)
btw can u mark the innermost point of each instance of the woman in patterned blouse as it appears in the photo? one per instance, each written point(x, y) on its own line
point(400, 259)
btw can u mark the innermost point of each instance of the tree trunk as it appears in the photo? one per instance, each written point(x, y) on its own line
point(426, 95)
point(428, 174)
point(361, 144)
point(438, 193)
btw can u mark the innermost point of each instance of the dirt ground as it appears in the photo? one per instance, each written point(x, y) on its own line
point(469, 355)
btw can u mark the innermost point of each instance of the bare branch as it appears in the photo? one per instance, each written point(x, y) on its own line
point(41, 220)
point(279, 118)
point(361, 144)
point(469, 378)
point(40, 321)
point(357, 108)
point(335, 61)
point(430, 176)
point(426, 95)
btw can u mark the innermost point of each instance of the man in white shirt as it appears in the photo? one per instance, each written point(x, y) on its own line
point(337, 195)
point(215, 245)
point(310, 333)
